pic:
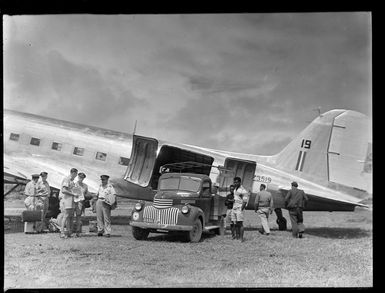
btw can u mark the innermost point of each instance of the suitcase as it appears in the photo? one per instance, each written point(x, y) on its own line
point(93, 226)
point(29, 227)
point(31, 216)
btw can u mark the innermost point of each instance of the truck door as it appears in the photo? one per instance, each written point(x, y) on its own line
point(241, 168)
point(143, 156)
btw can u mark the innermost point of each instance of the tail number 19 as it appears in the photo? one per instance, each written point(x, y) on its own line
point(306, 144)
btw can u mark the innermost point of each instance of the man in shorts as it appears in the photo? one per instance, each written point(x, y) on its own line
point(241, 197)
point(67, 203)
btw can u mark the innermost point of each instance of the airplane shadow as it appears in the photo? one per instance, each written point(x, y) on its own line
point(336, 233)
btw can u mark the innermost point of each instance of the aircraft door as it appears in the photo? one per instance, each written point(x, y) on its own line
point(241, 168)
point(143, 156)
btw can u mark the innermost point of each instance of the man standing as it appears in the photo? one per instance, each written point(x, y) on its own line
point(104, 204)
point(44, 191)
point(30, 191)
point(67, 203)
point(79, 201)
point(295, 202)
point(263, 207)
point(229, 204)
point(241, 197)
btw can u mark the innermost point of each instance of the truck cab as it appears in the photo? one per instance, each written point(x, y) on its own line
point(184, 202)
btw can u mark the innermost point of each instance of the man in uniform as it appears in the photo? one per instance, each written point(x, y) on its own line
point(104, 204)
point(295, 202)
point(229, 204)
point(241, 197)
point(79, 201)
point(44, 191)
point(263, 207)
point(67, 204)
point(30, 191)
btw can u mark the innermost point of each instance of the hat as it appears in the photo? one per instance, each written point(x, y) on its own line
point(43, 174)
point(82, 175)
point(35, 175)
point(295, 184)
point(104, 177)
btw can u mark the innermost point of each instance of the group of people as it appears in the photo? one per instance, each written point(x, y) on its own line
point(237, 199)
point(74, 198)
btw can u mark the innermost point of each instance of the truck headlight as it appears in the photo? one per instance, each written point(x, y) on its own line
point(185, 209)
point(138, 206)
point(135, 216)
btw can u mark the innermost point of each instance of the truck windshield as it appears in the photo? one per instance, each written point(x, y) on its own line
point(185, 183)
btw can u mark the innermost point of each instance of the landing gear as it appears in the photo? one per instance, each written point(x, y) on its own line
point(281, 221)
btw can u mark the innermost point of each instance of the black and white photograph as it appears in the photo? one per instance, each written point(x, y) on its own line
point(188, 150)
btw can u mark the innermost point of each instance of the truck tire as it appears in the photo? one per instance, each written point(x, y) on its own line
point(221, 223)
point(196, 233)
point(139, 233)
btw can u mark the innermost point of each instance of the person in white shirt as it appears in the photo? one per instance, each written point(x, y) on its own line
point(44, 192)
point(104, 204)
point(67, 204)
point(79, 201)
point(30, 191)
point(241, 197)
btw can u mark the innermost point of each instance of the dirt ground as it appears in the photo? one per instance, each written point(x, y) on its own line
point(337, 251)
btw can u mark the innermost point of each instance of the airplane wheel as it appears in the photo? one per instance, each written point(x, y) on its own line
point(221, 230)
point(196, 233)
point(139, 233)
point(282, 224)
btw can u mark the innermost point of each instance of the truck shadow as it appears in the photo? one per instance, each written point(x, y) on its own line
point(176, 237)
point(336, 233)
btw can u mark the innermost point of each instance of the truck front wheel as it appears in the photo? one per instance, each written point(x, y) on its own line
point(139, 233)
point(195, 234)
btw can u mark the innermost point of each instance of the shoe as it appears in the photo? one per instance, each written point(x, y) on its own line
point(100, 233)
point(62, 235)
point(267, 234)
point(77, 235)
point(107, 235)
point(300, 235)
point(262, 232)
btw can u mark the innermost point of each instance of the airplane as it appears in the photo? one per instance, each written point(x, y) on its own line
point(331, 160)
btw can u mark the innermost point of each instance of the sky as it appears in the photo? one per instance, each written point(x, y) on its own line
point(237, 82)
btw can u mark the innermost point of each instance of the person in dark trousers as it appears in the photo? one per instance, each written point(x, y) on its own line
point(229, 204)
point(295, 202)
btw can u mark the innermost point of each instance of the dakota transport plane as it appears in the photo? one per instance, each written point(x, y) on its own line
point(331, 159)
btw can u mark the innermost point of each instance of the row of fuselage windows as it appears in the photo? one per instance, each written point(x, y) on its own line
point(78, 151)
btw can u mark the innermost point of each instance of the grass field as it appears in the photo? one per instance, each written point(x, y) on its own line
point(337, 251)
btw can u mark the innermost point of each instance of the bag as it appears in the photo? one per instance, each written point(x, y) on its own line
point(87, 204)
point(31, 216)
point(53, 226)
point(93, 226)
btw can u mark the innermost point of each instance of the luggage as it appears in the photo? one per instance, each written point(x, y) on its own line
point(93, 226)
point(29, 227)
point(31, 216)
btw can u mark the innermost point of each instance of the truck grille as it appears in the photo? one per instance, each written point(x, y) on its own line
point(165, 216)
point(162, 203)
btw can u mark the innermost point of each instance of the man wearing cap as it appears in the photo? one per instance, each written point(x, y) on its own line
point(79, 201)
point(105, 200)
point(263, 207)
point(44, 191)
point(295, 202)
point(67, 204)
point(30, 191)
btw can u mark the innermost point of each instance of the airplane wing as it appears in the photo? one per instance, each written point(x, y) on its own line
point(18, 170)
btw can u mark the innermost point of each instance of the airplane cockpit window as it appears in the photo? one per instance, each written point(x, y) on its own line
point(101, 156)
point(124, 161)
point(56, 146)
point(35, 141)
point(14, 136)
point(78, 151)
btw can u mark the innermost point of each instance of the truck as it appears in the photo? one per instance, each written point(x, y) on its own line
point(187, 203)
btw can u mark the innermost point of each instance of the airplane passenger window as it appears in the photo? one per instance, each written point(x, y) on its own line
point(35, 141)
point(14, 136)
point(124, 161)
point(56, 146)
point(101, 156)
point(78, 151)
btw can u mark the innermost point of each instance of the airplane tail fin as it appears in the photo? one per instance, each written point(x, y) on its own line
point(335, 150)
